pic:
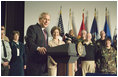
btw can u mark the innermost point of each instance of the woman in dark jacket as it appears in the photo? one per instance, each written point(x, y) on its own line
point(17, 63)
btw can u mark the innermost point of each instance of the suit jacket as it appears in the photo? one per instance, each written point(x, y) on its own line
point(34, 39)
point(17, 62)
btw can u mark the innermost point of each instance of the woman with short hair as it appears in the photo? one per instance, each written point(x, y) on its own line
point(52, 65)
point(17, 63)
point(108, 59)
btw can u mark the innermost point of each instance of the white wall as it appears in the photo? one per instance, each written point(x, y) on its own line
point(34, 8)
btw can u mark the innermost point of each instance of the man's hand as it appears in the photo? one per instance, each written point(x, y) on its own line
point(9, 66)
point(95, 65)
point(24, 66)
point(5, 64)
point(80, 65)
point(42, 50)
point(75, 69)
point(69, 41)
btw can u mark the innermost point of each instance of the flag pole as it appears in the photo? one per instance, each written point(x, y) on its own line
point(106, 15)
point(106, 11)
point(71, 18)
point(95, 13)
point(69, 27)
point(70, 12)
point(83, 9)
point(83, 14)
point(60, 9)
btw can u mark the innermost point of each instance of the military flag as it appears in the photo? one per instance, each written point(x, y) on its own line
point(106, 27)
point(82, 26)
point(94, 28)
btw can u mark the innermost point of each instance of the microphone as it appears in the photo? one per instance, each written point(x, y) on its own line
point(73, 39)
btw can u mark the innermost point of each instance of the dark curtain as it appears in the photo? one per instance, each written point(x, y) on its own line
point(3, 12)
point(14, 18)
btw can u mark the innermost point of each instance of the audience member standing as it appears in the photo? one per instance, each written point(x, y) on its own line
point(5, 37)
point(36, 42)
point(88, 62)
point(17, 63)
point(108, 59)
point(74, 65)
point(82, 39)
point(100, 44)
point(83, 36)
point(5, 55)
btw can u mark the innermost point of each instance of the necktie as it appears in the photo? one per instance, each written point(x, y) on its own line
point(45, 35)
point(5, 53)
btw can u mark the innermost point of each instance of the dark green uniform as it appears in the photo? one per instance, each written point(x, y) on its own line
point(108, 62)
point(100, 44)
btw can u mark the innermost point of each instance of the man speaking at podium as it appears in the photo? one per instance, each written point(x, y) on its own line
point(36, 41)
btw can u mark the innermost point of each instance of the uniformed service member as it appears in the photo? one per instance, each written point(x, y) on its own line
point(108, 59)
point(100, 44)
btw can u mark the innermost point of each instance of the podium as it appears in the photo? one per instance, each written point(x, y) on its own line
point(64, 55)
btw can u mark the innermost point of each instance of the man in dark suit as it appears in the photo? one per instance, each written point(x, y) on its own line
point(36, 42)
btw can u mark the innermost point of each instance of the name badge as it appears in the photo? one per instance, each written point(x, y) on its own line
point(18, 52)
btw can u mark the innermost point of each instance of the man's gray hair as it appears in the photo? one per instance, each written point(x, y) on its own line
point(42, 15)
point(84, 31)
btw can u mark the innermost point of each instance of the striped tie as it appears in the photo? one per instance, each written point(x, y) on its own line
point(45, 35)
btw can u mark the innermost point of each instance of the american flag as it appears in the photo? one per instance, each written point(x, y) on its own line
point(60, 24)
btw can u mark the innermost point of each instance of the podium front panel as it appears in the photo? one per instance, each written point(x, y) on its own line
point(65, 59)
point(63, 50)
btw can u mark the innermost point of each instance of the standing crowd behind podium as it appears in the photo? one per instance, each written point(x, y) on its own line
point(31, 59)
